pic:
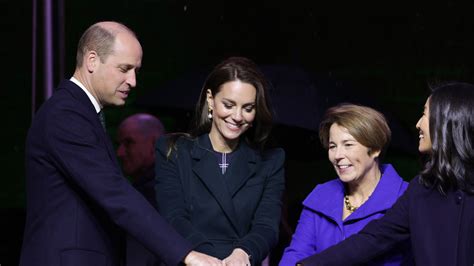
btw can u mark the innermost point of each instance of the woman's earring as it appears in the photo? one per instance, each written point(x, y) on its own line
point(209, 115)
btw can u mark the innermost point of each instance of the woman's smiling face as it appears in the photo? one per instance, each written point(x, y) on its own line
point(423, 126)
point(350, 158)
point(233, 111)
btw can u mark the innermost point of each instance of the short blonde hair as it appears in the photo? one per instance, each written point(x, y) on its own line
point(365, 124)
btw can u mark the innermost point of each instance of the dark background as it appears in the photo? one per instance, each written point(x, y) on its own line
point(379, 53)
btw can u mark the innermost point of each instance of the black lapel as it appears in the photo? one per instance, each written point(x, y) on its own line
point(242, 167)
point(205, 167)
point(82, 97)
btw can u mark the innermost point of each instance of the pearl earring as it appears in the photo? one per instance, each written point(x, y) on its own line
point(209, 115)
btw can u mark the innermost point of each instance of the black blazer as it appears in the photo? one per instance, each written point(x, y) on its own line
point(216, 212)
point(78, 201)
point(441, 229)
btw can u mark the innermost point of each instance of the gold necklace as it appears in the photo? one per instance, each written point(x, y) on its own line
point(349, 206)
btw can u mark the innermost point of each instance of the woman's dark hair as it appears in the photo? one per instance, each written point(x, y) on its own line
point(450, 165)
point(233, 69)
point(244, 70)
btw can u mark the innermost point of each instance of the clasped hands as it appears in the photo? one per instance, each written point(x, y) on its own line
point(238, 257)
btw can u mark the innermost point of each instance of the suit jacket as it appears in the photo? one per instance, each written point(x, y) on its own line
point(217, 212)
point(78, 201)
point(441, 229)
point(137, 255)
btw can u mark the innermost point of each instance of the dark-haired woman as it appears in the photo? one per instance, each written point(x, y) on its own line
point(219, 186)
point(437, 211)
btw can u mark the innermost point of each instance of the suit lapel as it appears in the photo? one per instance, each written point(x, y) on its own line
point(110, 149)
point(242, 167)
point(205, 167)
point(82, 97)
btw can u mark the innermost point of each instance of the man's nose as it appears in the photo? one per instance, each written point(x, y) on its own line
point(120, 151)
point(132, 79)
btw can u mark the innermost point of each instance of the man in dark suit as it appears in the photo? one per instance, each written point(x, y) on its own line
point(78, 202)
point(136, 139)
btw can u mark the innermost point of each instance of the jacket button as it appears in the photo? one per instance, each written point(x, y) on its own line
point(458, 197)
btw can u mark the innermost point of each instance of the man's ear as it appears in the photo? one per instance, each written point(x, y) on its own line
point(91, 60)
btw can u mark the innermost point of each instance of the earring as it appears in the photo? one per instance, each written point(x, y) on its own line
point(209, 115)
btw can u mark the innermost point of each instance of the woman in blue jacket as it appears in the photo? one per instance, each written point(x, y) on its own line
point(219, 186)
point(355, 137)
point(437, 211)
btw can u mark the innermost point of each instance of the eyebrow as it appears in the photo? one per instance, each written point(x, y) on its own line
point(126, 65)
point(344, 141)
point(129, 66)
point(233, 102)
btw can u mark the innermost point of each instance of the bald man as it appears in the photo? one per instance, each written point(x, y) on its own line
point(78, 202)
point(136, 138)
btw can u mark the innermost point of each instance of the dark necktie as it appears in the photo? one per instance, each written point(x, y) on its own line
point(102, 118)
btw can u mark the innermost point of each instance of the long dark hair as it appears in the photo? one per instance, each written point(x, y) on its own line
point(450, 165)
point(232, 69)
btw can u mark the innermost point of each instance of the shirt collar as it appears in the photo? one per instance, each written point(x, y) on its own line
point(94, 101)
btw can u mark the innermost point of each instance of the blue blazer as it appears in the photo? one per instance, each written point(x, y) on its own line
point(216, 212)
point(441, 230)
point(78, 201)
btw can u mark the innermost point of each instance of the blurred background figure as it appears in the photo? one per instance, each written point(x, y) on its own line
point(136, 138)
point(355, 137)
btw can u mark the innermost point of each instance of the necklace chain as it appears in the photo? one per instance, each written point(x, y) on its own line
point(348, 204)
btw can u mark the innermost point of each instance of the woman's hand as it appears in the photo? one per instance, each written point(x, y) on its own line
point(238, 258)
point(195, 258)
